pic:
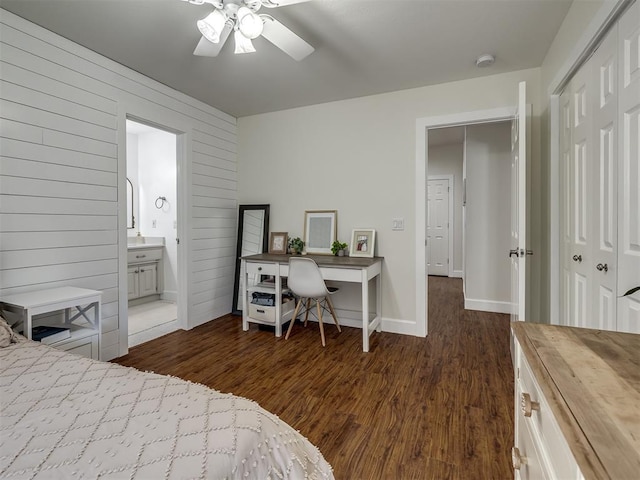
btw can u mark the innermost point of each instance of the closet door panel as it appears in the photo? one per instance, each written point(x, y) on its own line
point(629, 170)
point(566, 265)
point(581, 200)
point(603, 171)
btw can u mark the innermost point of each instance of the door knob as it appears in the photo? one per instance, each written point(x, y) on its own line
point(600, 267)
point(513, 252)
point(577, 258)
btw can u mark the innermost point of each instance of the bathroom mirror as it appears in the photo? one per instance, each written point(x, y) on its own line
point(320, 231)
point(253, 233)
point(131, 219)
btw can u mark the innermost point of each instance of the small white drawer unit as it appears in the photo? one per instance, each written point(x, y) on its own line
point(81, 308)
point(577, 392)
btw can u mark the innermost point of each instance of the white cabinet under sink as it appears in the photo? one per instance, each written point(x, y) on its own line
point(144, 266)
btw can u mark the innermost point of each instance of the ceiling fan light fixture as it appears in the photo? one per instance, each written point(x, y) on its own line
point(211, 26)
point(243, 44)
point(249, 23)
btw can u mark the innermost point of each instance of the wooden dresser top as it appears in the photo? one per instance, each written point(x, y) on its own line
point(591, 379)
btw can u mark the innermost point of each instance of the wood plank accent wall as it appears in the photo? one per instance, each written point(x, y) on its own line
point(62, 133)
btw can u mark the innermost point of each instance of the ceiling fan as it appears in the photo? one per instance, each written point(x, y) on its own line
point(241, 17)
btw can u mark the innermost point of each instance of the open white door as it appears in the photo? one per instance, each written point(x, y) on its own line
point(518, 252)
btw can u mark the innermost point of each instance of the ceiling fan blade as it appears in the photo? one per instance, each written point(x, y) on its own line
point(285, 39)
point(280, 3)
point(205, 48)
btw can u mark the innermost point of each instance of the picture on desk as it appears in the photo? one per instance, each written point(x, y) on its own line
point(278, 242)
point(320, 230)
point(362, 242)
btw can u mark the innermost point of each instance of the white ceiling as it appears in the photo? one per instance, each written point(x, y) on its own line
point(363, 47)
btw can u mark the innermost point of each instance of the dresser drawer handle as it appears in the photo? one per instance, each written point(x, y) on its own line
point(259, 269)
point(528, 405)
point(140, 256)
point(517, 459)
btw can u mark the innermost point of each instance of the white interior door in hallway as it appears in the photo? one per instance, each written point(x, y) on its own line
point(518, 249)
point(438, 225)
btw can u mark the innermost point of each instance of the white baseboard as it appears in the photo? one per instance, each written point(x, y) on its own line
point(487, 305)
point(170, 296)
point(351, 318)
point(152, 333)
point(457, 274)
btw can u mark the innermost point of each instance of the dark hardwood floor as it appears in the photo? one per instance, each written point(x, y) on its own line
point(439, 407)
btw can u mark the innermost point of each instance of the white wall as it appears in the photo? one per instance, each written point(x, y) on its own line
point(488, 216)
point(447, 160)
point(358, 157)
point(63, 210)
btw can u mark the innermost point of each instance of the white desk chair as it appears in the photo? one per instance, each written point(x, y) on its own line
point(306, 282)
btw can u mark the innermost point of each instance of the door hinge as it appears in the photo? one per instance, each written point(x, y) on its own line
point(447, 261)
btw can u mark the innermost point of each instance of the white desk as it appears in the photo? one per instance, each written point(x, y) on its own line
point(341, 269)
point(54, 299)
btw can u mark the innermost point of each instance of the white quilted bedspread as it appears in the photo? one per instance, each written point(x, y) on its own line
point(64, 416)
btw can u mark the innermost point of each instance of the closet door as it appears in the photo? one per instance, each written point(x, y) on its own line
point(566, 265)
point(629, 170)
point(581, 201)
point(602, 259)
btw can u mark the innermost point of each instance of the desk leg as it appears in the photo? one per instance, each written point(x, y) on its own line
point(245, 306)
point(379, 301)
point(365, 312)
point(278, 302)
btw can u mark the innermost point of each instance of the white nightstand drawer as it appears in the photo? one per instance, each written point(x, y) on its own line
point(85, 347)
point(526, 457)
point(534, 411)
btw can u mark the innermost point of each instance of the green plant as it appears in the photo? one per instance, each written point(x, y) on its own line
point(296, 244)
point(337, 246)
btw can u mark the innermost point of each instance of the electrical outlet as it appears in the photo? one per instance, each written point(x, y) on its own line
point(397, 224)
point(153, 223)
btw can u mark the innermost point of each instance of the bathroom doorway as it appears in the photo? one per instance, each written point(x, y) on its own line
point(152, 221)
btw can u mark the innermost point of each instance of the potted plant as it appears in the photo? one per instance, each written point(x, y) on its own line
point(296, 245)
point(339, 248)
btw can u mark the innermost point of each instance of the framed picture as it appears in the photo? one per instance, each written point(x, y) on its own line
point(278, 242)
point(320, 231)
point(363, 242)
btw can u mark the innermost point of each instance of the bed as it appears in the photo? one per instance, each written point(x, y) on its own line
point(65, 416)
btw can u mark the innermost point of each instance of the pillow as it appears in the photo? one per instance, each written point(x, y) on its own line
point(7, 336)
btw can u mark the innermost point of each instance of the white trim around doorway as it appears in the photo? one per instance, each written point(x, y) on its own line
point(155, 118)
point(421, 168)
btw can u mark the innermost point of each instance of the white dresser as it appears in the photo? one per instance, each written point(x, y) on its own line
point(577, 400)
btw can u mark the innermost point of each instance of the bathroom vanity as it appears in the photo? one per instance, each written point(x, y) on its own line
point(145, 271)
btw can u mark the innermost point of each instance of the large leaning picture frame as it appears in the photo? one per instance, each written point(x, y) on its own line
point(320, 231)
